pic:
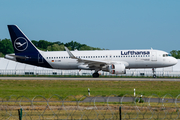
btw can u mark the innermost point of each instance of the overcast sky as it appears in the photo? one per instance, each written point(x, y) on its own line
point(110, 24)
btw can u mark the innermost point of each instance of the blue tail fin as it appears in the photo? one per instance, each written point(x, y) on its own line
point(21, 44)
point(25, 51)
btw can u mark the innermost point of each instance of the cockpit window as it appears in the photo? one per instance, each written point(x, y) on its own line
point(165, 55)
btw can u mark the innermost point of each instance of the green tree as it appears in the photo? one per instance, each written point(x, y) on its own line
point(36, 43)
point(44, 44)
point(58, 42)
point(1, 54)
point(175, 53)
point(97, 48)
point(86, 48)
point(178, 54)
point(74, 45)
point(6, 46)
point(55, 47)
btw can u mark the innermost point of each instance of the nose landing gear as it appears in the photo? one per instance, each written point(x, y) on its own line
point(154, 72)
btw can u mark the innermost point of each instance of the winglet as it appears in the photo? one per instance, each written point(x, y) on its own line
point(70, 54)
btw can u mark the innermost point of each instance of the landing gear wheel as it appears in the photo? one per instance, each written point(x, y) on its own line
point(154, 75)
point(95, 75)
point(154, 72)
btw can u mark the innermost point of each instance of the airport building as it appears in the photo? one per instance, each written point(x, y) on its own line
point(8, 67)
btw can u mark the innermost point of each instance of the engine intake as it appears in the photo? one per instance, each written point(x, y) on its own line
point(117, 69)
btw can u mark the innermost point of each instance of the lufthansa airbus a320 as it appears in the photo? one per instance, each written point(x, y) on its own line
point(112, 61)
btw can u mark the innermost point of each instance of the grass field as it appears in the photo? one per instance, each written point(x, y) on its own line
point(47, 88)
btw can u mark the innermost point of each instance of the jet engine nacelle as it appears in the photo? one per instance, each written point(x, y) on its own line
point(117, 69)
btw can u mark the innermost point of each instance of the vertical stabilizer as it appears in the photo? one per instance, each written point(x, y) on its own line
point(25, 51)
point(21, 44)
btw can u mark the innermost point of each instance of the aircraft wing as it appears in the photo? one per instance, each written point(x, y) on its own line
point(92, 63)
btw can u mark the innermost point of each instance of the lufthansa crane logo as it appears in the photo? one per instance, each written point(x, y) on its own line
point(20, 44)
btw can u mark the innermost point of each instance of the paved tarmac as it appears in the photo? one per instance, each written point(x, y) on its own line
point(118, 99)
point(105, 79)
point(128, 99)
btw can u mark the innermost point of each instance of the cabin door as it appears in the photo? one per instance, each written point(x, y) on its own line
point(40, 58)
point(153, 56)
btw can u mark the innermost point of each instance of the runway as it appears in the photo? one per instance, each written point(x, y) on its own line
point(103, 79)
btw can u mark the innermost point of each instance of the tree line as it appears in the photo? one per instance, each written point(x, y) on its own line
point(175, 53)
point(7, 48)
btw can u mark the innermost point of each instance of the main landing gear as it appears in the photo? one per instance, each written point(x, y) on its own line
point(95, 75)
point(154, 72)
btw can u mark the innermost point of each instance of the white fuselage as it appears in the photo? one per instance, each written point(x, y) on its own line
point(130, 58)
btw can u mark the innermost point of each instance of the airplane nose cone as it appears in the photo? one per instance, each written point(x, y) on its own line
point(174, 61)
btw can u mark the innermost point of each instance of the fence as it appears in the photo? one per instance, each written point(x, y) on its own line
point(88, 72)
point(85, 107)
